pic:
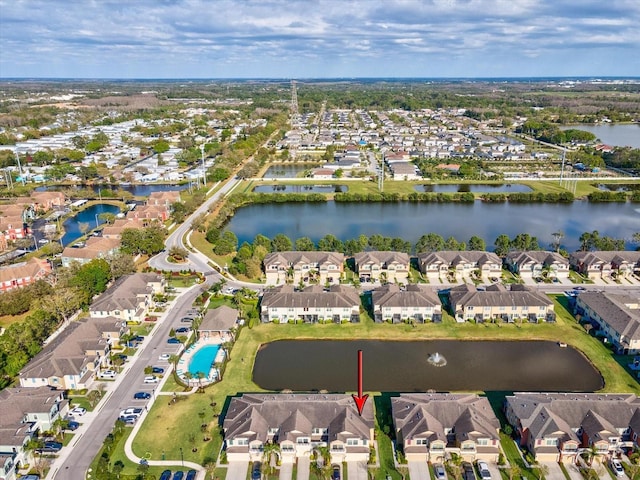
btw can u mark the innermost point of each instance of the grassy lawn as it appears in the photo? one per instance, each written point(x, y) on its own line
point(80, 401)
point(6, 320)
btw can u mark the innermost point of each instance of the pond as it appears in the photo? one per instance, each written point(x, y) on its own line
point(476, 187)
point(138, 190)
point(90, 216)
point(301, 189)
point(394, 366)
point(620, 135)
point(412, 220)
point(288, 171)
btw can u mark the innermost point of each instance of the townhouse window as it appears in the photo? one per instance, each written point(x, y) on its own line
point(483, 441)
point(421, 441)
point(352, 441)
point(551, 442)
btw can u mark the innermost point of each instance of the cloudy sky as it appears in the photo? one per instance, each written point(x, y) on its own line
point(318, 38)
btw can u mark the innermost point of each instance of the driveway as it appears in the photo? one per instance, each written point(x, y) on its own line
point(237, 471)
point(357, 471)
point(419, 470)
point(286, 471)
point(573, 471)
point(303, 468)
point(555, 472)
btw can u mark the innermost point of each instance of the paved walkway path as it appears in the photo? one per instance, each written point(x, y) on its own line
point(357, 471)
point(286, 471)
point(419, 471)
point(303, 468)
point(237, 471)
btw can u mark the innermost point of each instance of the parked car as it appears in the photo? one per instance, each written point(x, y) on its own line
point(182, 330)
point(483, 468)
point(157, 370)
point(107, 374)
point(617, 468)
point(256, 471)
point(191, 475)
point(49, 447)
point(164, 356)
point(335, 473)
point(165, 475)
point(186, 319)
point(131, 411)
point(178, 475)
point(467, 471)
point(72, 425)
point(173, 341)
point(440, 472)
point(77, 411)
point(141, 395)
point(129, 419)
point(151, 379)
point(30, 477)
point(580, 289)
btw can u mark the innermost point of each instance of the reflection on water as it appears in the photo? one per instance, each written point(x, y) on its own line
point(404, 366)
point(301, 189)
point(475, 187)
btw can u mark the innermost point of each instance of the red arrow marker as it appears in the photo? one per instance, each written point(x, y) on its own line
point(360, 399)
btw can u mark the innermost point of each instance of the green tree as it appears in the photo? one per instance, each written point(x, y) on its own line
point(431, 242)
point(330, 243)
point(502, 244)
point(281, 243)
point(92, 278)
point(226, 244)
point(477, 243)
point(305, 244)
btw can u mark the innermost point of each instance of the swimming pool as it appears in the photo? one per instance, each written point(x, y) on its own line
point(202, 360)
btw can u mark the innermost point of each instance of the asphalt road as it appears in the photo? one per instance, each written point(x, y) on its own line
point(120, 395)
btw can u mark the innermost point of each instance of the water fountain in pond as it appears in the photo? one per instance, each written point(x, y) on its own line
point(437, 360)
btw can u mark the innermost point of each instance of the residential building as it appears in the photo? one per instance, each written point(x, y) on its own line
point(615, 316)
point(496, 303)
point(558, 426)
point(605, 264)
point(71, 359)
point(95, 247)
point(416, 303)
point(298, 423)
point(120, 225)
point(433, 426)
point(284, 304)
point(165, 199)
point(373, 266)
point(25, 412)
point(22, 274)
point(537, 264)
point(460, 264)
point(219, 323)
point(129, 298)
point(305, 267)
point(149, 213)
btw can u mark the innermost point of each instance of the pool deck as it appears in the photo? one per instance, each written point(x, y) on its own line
point(185, 359)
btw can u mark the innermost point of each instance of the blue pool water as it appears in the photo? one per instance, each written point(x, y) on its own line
point(202, 360)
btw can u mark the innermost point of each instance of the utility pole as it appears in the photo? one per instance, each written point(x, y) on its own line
point(204, 178)
point(20, 168)
point(564, 151)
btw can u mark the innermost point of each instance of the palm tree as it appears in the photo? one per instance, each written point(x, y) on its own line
point(403, 470)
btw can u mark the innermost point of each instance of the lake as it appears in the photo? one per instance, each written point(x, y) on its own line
point(476, 187)
point(393, 366)
point(301, 189)
point(138, 190)
point(89, 215)
point(412, 220)
point(619, 135)
point(288, 170)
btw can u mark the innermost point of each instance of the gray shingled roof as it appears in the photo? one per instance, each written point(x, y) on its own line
point(294, 257)
point(220, 319)
point(469, 295)
point(251, 415)
point(611, 307)
point(384, 258)
point(124, 293)
point(454, 257)
point(390, 295)
point(337, 296)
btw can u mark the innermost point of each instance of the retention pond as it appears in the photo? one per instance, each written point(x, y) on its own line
point(395, 366)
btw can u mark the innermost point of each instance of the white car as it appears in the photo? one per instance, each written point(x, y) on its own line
point(77, 411)
point(107, 374)
point(483, 468)
point(164, 356)
point(131, 411)
point(151, 379)
point(617, 468)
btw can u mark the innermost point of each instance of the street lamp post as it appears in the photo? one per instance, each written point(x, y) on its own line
point(204, 177)
point(97, 222)
point(181, 457)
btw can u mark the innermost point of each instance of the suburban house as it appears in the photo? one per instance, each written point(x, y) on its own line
point(149, 213)
point(129, 298)
point(70, 360)
point(219, 323)
point(95, 247)
point(25, 412)
point(615, 316)
point(459, 264)
point(416, 303)
point(120, 225)
point(23, 274)
point(558, 426)
point(305, 267)
point(496, 303)
point(284, 304)
point(298, 424)
point(393, 267)
point(433, 426)
point(165, 199)
point(604, 264)
point(537, 264)
point(45, 201)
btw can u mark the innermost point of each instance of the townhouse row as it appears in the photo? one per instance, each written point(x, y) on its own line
point(432, 426)
point(328, 267)
point(412, 304)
